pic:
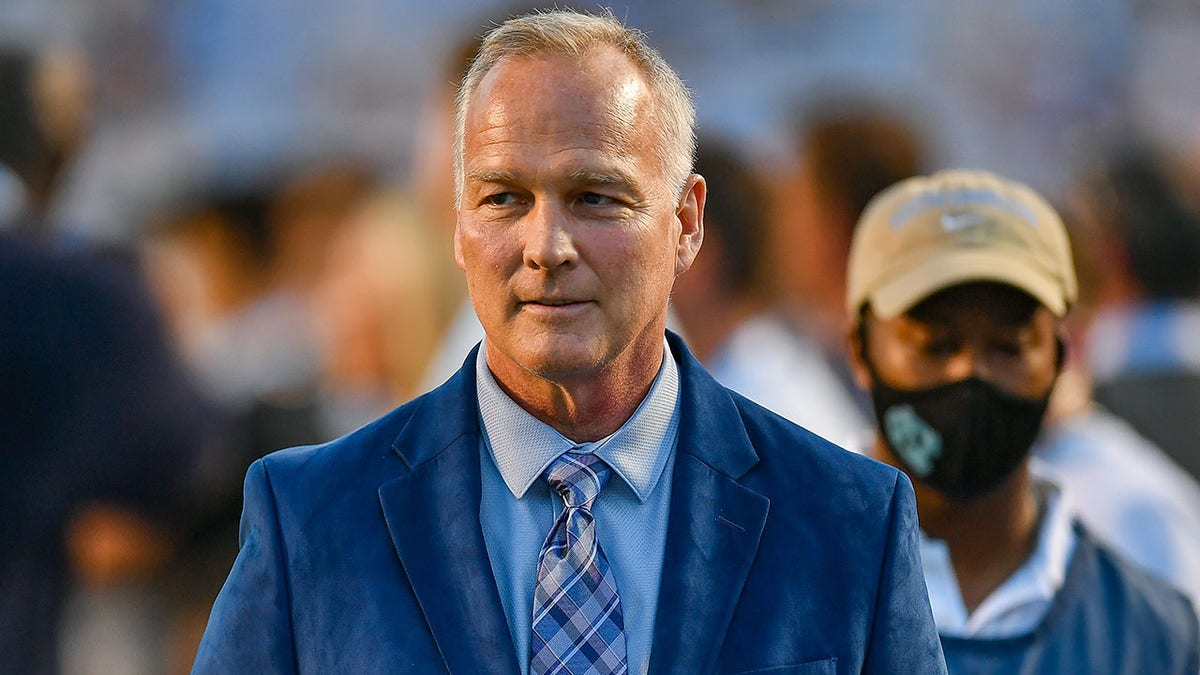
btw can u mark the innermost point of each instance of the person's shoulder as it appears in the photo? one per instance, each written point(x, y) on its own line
point(1142, 598)
point(97, 283)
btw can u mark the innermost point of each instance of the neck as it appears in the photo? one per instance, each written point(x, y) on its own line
point(989, 536)
point(587, 407)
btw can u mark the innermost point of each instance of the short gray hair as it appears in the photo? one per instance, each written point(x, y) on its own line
point(576, 34)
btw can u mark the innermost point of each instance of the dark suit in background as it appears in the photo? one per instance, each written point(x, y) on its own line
point(95, 410)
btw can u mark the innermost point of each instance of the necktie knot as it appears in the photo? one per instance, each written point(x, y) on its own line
point(578, 477)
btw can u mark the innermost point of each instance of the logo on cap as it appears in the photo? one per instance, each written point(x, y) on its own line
point(954, 222)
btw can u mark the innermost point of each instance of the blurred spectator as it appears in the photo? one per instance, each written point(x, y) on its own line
point(44, 110)
point(237, 268)
point(1125, 489)
point(245, 338)
point(97, 414)
point(848, 148)
point(101, 425)
point(376, 309)
point(727, 309)
point(958, 284)
point(1143, 350)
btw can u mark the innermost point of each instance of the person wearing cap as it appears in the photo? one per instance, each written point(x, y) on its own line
point(957, 287)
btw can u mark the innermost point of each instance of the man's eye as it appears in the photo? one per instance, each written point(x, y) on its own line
point(500, 199)
point(942, 347)
point(595, 199)
point(1008, 348)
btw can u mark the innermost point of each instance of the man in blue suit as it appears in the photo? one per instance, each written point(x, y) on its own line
point(692, 531)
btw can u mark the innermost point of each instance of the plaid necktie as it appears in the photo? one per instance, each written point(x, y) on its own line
point(578, 627)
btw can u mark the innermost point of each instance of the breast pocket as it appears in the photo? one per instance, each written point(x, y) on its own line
point(824, 667)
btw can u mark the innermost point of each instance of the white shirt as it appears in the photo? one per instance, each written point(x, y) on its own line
point(1019, 604)
point(769, 364)
point(462, 335)
point(12, 196)
point(1127, 493)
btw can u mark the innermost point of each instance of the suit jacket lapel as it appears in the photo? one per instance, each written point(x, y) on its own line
point(432, 513)
point(714, 528)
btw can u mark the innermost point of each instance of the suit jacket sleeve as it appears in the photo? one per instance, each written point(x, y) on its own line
point(904, 638)
point(250, 628)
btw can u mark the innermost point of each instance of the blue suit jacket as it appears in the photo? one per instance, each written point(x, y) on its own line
point(366, 555)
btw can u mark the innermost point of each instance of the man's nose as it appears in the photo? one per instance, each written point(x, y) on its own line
point(549, 243)
point(970, 360)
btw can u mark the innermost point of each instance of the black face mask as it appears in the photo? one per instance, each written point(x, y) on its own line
point(962, 438)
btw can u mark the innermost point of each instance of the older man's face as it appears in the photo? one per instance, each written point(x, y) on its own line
point(570, 234)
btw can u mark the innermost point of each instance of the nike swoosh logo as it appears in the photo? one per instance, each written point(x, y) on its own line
point(953, 222)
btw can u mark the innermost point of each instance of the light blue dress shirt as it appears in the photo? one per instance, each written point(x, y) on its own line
point(518, 508)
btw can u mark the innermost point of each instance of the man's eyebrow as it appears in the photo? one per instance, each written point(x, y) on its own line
point(583, 176)
point(491, 176)
point(607, 177)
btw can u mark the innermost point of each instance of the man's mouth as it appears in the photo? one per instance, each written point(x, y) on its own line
point(556, 305)
point(554, 302)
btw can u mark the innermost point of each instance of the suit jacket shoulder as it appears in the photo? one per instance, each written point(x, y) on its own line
point(775, 534)
point(365, 554)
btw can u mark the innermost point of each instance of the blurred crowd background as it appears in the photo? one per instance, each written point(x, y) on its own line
point(234, 221)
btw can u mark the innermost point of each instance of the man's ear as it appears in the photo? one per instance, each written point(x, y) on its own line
point(856, 349)
point(690, 212)
point(458, 255)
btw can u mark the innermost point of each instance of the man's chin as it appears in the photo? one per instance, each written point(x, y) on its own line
point(561, 365)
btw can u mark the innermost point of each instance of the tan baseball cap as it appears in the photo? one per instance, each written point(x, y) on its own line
point(925, 234)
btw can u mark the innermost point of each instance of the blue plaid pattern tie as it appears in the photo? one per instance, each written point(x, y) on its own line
point(578, 627)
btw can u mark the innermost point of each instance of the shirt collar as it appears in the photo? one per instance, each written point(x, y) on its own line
point(523, 446)
point(1035, 583)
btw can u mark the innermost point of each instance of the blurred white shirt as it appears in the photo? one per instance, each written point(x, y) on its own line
point(1127, 493)
point(768, 363)
point(12, 196)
